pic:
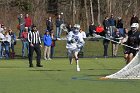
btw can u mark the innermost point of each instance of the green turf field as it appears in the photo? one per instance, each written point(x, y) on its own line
point(57, 76)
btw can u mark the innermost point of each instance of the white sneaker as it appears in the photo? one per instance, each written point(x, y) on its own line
point(78, 69)
point(49, 59)
point(58, 39)
point(45, 59)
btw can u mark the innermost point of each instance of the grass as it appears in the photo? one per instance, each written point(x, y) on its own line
point(57, 76)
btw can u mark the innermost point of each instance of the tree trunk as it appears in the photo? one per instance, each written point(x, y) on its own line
point(74, 11)
point(86, 12)
point(136, 6)
point(108, 7)
point(91, 11)
point(99, 12)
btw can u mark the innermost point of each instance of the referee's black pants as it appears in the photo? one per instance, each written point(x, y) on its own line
point(37, 49)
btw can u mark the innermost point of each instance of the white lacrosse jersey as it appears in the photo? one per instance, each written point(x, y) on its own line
point(74, 41)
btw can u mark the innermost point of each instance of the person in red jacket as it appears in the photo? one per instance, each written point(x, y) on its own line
point(99, 30)
point(28, 22)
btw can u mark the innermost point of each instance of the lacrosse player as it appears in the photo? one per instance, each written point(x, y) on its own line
point(74, 44)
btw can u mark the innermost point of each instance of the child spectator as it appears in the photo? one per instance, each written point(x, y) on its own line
point(53, 44)
point(25, 43)
point(47, 45)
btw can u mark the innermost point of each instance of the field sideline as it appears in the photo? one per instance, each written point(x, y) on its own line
point(57, 76)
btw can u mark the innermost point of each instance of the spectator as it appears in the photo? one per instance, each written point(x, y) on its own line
point(106, 43)
point(28, 22)
point(117, 36)
point(99, 30)
point(106, 24)
point(1, 40)
point(124, 40)
point(125, 36)
point(49, 24)
point(120, 25)
point(69, 27)
point(134, 19)
point(34, 40)
point(21, 24)
point(13, 43)
point(92, 29)
point(25, 43)
point(53, 44)
point(6, 44)
point(47, 45)
point(112, 24)
point(1, 27)
point(83, 34)
point(59, 21)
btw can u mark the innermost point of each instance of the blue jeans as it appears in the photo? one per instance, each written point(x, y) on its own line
point(58, 32)
point(111, 29)
point(25, 45)
point(6, 45)
point(22, 28)
point(12, 47)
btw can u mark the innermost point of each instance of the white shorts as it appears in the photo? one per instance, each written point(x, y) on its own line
point(72, 51)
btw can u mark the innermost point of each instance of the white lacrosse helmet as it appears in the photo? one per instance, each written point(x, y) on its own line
point(77, 26)
point(136, 25)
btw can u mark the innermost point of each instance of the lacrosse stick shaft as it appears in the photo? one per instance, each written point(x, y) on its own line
point(114, 41)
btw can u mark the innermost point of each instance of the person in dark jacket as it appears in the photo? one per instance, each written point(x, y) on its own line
point(13, 42)
point(59, 21)
point(21, 24)
point(92, 29)
point(106, 43)
point(106, 23)
point(134, 19)
point(120, 25)
point(112, 23)
point(49, 24)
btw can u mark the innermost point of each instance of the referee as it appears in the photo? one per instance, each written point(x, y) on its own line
point(34, 45)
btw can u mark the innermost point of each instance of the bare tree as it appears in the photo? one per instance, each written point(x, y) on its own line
point(86, 12)
point(126, 10)
point(91, 11)
point(99, 12)
point(108, 6)
point(136, 6)
point(74, 12)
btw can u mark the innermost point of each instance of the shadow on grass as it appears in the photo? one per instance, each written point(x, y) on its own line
point(45, 70)
point(96, 78)
point(102, 69)
point(10, 67)
point(97, 75)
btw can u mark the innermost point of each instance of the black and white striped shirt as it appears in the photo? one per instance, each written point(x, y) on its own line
point(34, 37)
